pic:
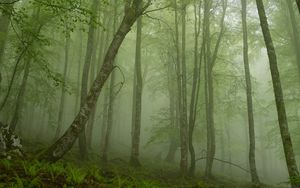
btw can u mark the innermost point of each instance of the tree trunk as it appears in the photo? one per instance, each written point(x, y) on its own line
point(252, 163)
point(85, 76)
point(295, 35)
point(90, 125)
point(4, 22)
point(298, 4)
point(137, 101)
point(65, 143)
point(195, 90)
point(110, 110)
point(183, 124)
point(20, 97)
point(63, 93)
point(208, 79)
point(282, 119)
point(77, 95)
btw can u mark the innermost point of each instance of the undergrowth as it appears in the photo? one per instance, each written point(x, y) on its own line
point(32, 173)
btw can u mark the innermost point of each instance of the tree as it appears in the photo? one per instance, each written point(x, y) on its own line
point(85, 74)
point(209, 63)
point(195, 87)
point(111, 97)
point(65, 143)
point(184, 123)
point(295, 33)
point(298, 4)
point(63, 91)
point(254, 176)
point(4, 22)
point(137, 98)
point(281, 112)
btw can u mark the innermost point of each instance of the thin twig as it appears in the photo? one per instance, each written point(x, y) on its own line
point(227, 162)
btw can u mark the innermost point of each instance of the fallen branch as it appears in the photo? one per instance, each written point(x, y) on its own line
point(227, 162)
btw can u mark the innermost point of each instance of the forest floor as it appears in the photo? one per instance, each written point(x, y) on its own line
point(71, 172)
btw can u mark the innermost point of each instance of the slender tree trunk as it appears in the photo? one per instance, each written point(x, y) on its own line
point(298, 4)
point(20, 97)
point(195, 87)
point(65, 143)
point(137, 101)
point(77, 96)
point(183, 124)
point(208, 79)
point(4, 22)
point(295, 35)
point(282, 119)
point(254, 176)
point(85, 76)
point(63, 93)
point(90, 125)
point(110, 110)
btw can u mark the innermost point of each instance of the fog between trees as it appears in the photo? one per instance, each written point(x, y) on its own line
point(209, 88)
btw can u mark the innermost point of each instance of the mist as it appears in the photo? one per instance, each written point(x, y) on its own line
point(148, 93)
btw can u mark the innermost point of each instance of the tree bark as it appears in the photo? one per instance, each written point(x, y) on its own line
point(63, 93)
point(137, 101)
point(252, 163)
point(281, 112)
point(65, 143)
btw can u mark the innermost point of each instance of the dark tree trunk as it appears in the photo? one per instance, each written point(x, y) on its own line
point(184, 123)
point(65, 143)
point(282, 119)
point(254, 176)
point(63, 92)
point(137, 101)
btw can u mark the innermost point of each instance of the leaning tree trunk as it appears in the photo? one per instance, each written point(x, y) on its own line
point(281, 112)
point(65, 143)
point(85, 75)
point(254, 176)
point(137, 101)
point(63, 92)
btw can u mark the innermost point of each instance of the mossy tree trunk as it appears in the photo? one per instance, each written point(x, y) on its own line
point(65, 143)
point(279, 99)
